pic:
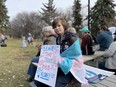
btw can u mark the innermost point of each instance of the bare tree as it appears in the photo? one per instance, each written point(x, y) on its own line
point(66, 14)
point(24, 23)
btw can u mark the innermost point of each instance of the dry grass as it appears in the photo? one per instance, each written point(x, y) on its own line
point(14, 62)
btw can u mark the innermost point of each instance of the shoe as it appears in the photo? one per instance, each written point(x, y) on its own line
point(30, 79)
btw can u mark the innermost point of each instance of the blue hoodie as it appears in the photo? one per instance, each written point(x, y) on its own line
point(104, 39)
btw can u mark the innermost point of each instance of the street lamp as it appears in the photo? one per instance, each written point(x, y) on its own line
point(89, 14)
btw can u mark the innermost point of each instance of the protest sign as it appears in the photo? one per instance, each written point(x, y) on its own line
point(95, 75)
point(48, 64)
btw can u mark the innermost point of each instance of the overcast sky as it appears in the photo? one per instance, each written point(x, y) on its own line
point(18, 6)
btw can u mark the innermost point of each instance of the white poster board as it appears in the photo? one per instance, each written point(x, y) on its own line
point(92, 74)
point(48, 65)
point(95, 71)
point(95, 75)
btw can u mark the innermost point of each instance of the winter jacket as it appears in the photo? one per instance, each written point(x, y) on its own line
point(104, 39)
point(111, 56)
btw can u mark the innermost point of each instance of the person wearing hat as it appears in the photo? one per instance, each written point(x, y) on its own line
point(85, 30)
point(86, 42)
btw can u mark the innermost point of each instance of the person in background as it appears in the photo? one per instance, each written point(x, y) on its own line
point(72, 30)
point(86, 42)
point(104, 38)
point(2, 38)
point(109, 63)
point(50, 39)
point(29, 39)
point(33, 40)
point(65, 40)
point(24, 42)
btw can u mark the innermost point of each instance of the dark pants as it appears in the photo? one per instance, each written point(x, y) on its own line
point(61, 81)
point(30, 42)
point(102, 66)
point(32, 68)
point(2, 41)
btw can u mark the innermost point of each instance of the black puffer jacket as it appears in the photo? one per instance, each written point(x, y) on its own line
point(67, 40)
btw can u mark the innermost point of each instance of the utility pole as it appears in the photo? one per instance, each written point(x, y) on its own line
point(89, 15)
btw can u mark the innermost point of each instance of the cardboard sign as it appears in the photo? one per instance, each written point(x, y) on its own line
point(48, 65)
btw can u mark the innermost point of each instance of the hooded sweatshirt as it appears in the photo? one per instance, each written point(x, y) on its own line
point(104, 39)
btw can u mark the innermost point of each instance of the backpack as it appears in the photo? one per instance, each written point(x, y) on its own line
point(92, 43)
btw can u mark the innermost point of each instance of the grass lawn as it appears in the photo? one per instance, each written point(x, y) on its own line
point(14, 62)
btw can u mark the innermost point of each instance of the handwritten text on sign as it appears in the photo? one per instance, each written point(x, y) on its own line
point(48, 64)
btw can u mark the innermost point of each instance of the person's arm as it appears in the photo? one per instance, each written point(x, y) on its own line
point(111, 50)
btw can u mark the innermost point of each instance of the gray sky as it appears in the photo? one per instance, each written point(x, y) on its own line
point(18, 6)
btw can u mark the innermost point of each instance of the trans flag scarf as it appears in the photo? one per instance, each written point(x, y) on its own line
point(72, 60)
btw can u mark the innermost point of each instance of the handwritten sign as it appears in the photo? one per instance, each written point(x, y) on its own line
point(48, 65)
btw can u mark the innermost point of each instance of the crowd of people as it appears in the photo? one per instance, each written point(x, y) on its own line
point(60, 34)
point(63, 38)
point(27, 40)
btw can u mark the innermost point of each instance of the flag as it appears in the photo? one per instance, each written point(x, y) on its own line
point(72, 60)
point(71, 53)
